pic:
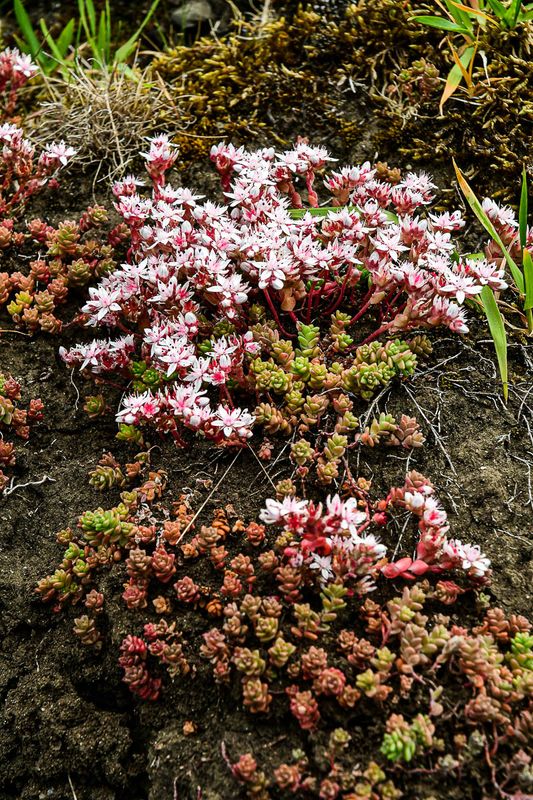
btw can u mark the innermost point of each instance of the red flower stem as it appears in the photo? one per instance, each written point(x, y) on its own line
point(225, 393)
point(340, 297)
point(364, 308)
point(377, 333)
point(392, 301)
point(293, 316)
point(275, 315)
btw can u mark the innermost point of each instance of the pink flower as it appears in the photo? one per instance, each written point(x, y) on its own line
point(279, 510)
point(103, 302)
point(322, 566)
point(473, 560)
point(137, 408)
point(233, 422)
point(57, 154)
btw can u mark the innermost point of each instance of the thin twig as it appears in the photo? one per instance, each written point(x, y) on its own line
point(435, 433)
point(207, 499)
point(76, 404)
point(513, 535)
point(528, 465)
point(260, 464)
point(400, 537)
point(523, 403)
point(74, 795)
point(272, 465)
point(265, 13)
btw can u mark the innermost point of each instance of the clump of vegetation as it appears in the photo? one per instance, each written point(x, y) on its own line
point(323, 69)
point(72, 257)
point(199, 277)
point(90, 34)
point(16, 420)
point(286, 304)
point(105, 113)
point(61, 257)
point(284, 609)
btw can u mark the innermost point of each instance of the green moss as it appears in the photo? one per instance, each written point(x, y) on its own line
point(362, 78)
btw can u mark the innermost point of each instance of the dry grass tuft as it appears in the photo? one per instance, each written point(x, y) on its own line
point(106, 114)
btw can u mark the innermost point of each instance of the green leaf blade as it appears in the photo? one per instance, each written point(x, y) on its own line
point(499, 337)
point(476, 207)
point(528, 277)
point(26, 28)
point(441, 23)
point(522, 212)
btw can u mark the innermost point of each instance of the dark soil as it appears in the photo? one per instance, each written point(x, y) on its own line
point(69, 727)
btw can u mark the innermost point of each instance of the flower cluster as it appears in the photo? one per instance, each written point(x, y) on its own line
point(332, 540)
point(200, 275)
point(288, 615)
point(22, 175)
point(505, 222)
point(14, 419)
point(73, 254)
point(16, 70)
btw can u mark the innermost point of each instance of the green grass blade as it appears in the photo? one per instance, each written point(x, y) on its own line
point(528, 276)
point(455, 76)
point(91, 16)
point(499, 337)
point(26, 28)
point(102, 42)
point(84, 24)
point(66, 37)
point(476, 207)
point(441, 23)
point(58, 48)
point(128, 47)
point(323, 211)
point(522, 212)
point(497, 8)
point(460, 16)
point(108, 31)
point(511, 15)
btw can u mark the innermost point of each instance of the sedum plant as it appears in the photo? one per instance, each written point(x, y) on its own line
point(200, 275)
point(62, 258)
point(75, 252)
point(16, 69)
point(284, 610)
point(14, 419)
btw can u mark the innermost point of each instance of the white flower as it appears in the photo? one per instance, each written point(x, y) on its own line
point(473, 560)
point(322, 565)
point(278, 510)
point(102, 303)
point(233, 422)
point(414, 501)
point(57, 153)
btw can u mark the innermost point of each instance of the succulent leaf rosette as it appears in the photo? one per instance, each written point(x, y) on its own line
point(201, 275)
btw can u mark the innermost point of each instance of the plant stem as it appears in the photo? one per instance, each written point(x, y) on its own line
point(275, 315)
